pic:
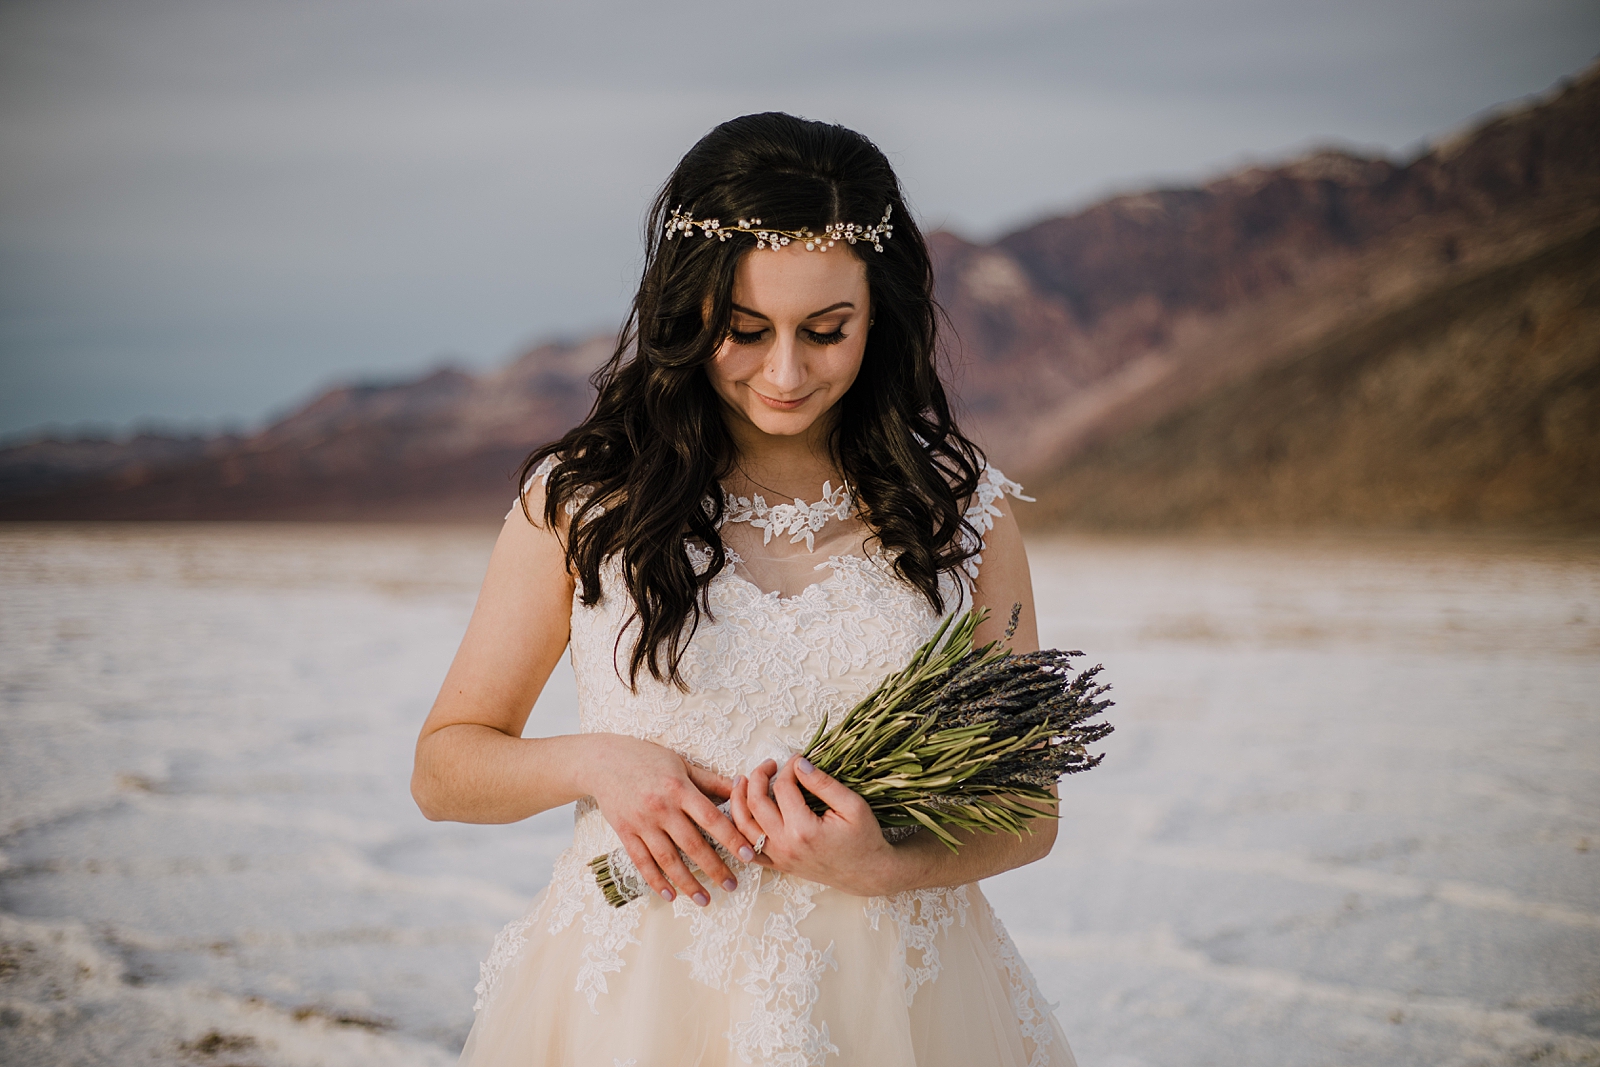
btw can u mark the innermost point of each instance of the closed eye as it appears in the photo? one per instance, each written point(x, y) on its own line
point(745, 338)
point(824, 338)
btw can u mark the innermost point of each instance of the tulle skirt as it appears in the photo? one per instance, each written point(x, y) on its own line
point(779, 972)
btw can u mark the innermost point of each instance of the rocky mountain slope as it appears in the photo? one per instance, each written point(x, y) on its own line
point(1335, 340)
point(1477, 404)
point(441, 447)
point(1078, 331)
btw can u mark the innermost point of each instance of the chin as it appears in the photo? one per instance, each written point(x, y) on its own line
point(781, 424)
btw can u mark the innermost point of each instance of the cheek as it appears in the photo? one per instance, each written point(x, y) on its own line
point(845, 366)
point(732, 364)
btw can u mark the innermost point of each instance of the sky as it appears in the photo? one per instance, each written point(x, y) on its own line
point(211, 209)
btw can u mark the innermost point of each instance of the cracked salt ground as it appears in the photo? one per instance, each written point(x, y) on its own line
point(1349, 815)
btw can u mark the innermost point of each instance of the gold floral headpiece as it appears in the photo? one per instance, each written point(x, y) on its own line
point(849, 232)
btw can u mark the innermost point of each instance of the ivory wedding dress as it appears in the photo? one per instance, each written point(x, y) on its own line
point(780, 972)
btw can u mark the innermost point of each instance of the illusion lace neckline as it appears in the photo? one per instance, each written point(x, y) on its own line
point(802, 521)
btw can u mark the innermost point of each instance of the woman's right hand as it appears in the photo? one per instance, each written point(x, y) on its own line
point(474, 765)
point(658, 802)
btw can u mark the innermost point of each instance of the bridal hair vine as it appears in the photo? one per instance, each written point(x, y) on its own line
point(848, 232)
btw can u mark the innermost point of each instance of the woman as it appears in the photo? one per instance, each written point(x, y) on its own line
point(781, 347)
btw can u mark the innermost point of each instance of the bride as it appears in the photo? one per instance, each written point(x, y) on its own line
point(768, 509)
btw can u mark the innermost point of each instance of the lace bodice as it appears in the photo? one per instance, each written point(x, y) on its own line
point(762, 671)
point(774, 656)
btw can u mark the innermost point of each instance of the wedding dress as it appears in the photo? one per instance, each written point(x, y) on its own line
point(780, 972)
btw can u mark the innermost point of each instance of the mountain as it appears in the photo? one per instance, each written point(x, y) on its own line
point(48, 463)
point(1079, 331)
point(1338, 340)
point(1474, 405)
point(444, 446)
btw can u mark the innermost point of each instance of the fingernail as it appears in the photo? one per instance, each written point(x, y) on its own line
point(701, 899)
point(738, 782)
point(747, 854)
point(666, 894)
point(804, 765)
point(730, 885)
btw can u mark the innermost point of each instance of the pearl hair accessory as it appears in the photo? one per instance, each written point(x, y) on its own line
point(848, 232)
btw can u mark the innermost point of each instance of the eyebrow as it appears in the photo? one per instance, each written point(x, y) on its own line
point(814, 314)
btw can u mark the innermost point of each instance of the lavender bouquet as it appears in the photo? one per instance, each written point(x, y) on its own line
point(961, 738)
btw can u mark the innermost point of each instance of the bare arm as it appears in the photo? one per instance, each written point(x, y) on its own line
point(844, 847)
point(474, 765)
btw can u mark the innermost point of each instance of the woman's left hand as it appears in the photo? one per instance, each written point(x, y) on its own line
point(843, 847)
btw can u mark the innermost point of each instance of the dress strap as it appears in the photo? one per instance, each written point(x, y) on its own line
point(982, 510)
point(541, 475)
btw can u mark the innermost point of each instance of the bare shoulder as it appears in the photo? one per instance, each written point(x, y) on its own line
point(528, 587)
point(518, 630)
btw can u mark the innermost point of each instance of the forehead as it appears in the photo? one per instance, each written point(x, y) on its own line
point(790, 281)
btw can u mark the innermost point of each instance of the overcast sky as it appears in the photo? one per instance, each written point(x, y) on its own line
point(211, 208)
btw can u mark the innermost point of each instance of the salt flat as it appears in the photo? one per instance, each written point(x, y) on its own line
point(1350, 815)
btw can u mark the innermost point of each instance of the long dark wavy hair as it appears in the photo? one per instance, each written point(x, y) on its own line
point(642, 472)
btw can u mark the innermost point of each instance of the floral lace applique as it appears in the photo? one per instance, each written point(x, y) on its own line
point(507, 945)
point(715, 931)
point(572, 886)
point(783, 976)
point(920, 917)
point(572, 890)
point(804, 521)
point(566, 899)
point(610, 930)
point(1028, 1004)
point(700, 556)
point(983, 510)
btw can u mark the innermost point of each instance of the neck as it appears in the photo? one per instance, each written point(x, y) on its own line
point(793, 466)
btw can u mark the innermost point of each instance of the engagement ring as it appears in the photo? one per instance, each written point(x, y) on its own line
point(761, 843)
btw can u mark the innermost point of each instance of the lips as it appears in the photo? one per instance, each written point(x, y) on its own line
point(781, 405)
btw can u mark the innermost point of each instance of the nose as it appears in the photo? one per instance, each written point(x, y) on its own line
point(785, 370)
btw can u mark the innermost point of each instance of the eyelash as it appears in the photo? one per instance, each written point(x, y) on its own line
point(815, 338)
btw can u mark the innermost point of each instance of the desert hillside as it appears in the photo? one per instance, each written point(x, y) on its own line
point(1082, 330)
point(1476, 405)
point(1336, 340)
